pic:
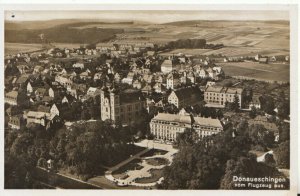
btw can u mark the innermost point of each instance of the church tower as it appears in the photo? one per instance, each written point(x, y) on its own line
point(114, 104)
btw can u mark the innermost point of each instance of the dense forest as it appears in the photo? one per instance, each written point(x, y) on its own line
point(62, 34)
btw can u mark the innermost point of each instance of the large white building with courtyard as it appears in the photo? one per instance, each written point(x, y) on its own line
point(167, 126)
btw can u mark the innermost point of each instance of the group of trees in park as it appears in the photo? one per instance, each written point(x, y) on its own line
point(211, 162)
point(80, 150)
point(88, 146)
point(22, 151)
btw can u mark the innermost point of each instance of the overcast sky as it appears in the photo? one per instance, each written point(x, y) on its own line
point(148, 16)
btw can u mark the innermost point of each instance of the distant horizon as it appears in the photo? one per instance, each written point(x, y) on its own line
point(154, 16)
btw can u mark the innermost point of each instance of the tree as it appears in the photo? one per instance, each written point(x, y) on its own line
point(201, 164)
point(283, 109)
point(267, 104)
point(284, 132)
point(236, 103)
point(282, 154)
point(259, 135)
point(253, 112)
point(269, 159)
point(246, 167)
point(42, 163)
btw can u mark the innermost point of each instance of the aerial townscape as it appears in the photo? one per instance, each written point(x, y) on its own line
point(145, 105)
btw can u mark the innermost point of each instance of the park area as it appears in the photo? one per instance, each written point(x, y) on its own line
point(143, 169)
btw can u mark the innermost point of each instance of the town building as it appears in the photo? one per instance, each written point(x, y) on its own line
point(173, 80)
point(185, 97)
point(167, 127)
point(217, 96)
point(207, 126)
point(66, 82)
point(16, 122)
point(168, 66)
point(255, 102)
point(12, 98)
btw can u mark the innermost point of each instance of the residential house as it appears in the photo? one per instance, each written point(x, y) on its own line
point(255, 102)
point(29, 88)
point(78, 65)
point(16, 122)
point(40, 92)
point(203, 73)
point(137, 84)
point(159, 88)
point(147, 89)
point(38, 69)
point(66, 82)
point(168, 66)
point(12, 98)
point(263, 60)
point(185, 97)
point(173, 80)
point(85, 75)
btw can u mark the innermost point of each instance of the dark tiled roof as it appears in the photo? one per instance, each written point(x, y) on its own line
point(130, 95)
point(43, 108)
point(184, 93)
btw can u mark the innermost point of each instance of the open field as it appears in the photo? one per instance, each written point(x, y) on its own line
point(274, 72)
point(14, 48)
point(246, 51)
point(67, 45)
point(186, 52)
point(241, 38)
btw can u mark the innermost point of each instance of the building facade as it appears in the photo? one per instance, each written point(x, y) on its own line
point(12, 98)
point(173, 80)
point(185, 97)
point(217, 96)
point(123, 107)
point(166, 127)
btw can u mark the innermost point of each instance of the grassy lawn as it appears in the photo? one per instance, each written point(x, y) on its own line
point(121, 172)
point(157, 161)
point(153, 152)
point(132, 150)
point(156, 174)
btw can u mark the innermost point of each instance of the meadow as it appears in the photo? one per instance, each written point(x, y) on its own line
point(274, 72)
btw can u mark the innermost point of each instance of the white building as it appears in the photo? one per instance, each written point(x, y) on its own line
point(167, 126)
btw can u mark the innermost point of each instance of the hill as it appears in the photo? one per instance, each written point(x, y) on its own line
point(214, 22)
point(63, 33)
